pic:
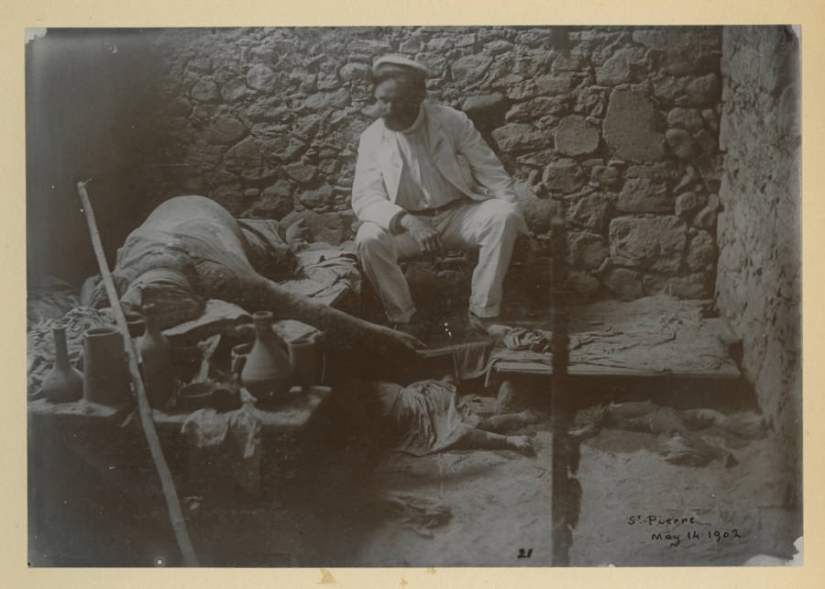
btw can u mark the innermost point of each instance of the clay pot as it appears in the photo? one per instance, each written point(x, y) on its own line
point(136, 324)
point(156, 362)
point(106, 374)
point(267, 373)
point(63, 384)
point(198, 395)
point(303, 356)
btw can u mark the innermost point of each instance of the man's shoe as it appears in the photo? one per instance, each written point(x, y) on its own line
point(413, 328)
point(485, 325)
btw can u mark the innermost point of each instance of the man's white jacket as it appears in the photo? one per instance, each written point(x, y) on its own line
point(459, 152)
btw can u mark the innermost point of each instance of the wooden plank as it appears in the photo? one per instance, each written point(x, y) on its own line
point(727, 371)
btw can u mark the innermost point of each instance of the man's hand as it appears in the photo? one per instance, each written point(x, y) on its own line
point(426, 236)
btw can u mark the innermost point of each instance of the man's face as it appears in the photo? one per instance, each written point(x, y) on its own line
point(398, 103)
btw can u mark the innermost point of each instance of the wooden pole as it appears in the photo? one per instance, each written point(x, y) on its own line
point(144, 410)
point(564, 485)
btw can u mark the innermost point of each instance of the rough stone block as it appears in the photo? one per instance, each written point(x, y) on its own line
point(685, 118)
point(644, 195)
point(355, 71)
point(315, 199)
point(554, 84)
point(234, 90)
point(667, 171)
point(322, 81)
point(498, 46)
point(229, 197)
point(631, 128)
point(591, 211)
point(440, 44)
point(628, 65)
point(688, 91)
point(701, 252)
point(205, 90)
point(694, 286)
point(670, 37)
point(522, 90)
point(654, 243)
point(306, 127)
point(332, 228)
point(261, 77)
point(706, 218)
point(520, 136)
point(275, 202)
point(465, 40)
point(575, 136)
point(248, 158)
point(571, 62)
point(226, 130)
point(565, 175)
point(277, 142)
point(435, 62)
point(470, 68)
point(583, 286)
point(538, 159)
point(587, 250)
point(533, 37)
point(486, 111)
point(536, 108)
point(606, 176)
point(681, 143)
point(370, 47)
point(625, 284)
point(269, 109)
point(688, 203)
point(412, 46)
point(590, 101)
point(301, 173)
point(706, 141)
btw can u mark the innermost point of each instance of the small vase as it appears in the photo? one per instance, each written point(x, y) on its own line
point(156, 362)
point(303, 356)
point(64, 383)
point(106, 374)
point(267, 373)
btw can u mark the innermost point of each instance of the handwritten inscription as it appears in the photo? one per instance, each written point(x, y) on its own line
point(671, 530)
point(659, 520)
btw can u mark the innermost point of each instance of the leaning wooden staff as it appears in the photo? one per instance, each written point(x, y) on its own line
point(144, 410)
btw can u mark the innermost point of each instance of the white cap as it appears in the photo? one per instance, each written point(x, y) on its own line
point(390, 63)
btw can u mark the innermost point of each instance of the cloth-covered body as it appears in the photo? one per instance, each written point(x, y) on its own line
point(419, 419)
point(191, 249)
point(441, 171)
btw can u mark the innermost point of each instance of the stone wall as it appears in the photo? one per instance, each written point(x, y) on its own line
point(617, 126)
point(759, 232)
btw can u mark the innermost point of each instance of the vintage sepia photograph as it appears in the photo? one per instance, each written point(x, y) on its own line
point(414, 296)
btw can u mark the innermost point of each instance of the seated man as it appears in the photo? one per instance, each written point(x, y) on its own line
point(414, 196)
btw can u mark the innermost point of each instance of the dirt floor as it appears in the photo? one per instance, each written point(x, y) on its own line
point(486, 508)
point(349, 507)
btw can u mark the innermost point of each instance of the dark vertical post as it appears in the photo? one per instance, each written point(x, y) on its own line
point(565, 504)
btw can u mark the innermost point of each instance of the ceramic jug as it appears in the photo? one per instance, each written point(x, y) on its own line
point(156, 362)
point(303, 356)
point(267, 373)
point(64, 383)
point(106, 374)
